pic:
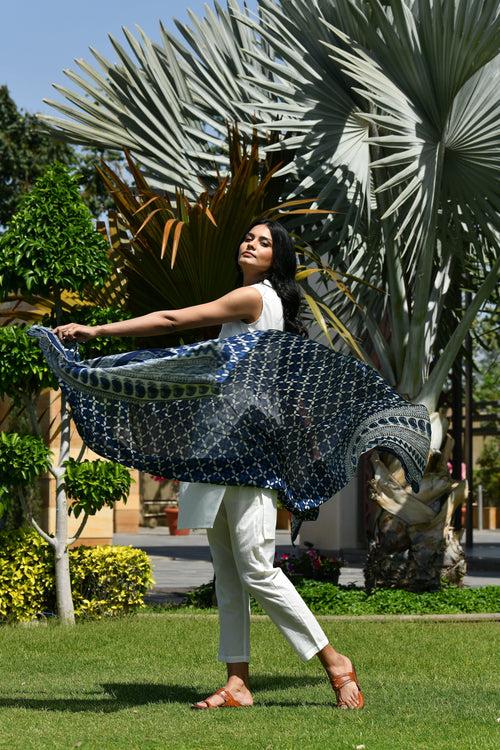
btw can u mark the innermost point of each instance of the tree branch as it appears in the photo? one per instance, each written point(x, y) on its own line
point(79, 530)
point(81, 453)
point(32, 521)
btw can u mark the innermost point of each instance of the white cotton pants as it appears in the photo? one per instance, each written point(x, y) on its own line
point(242, 541)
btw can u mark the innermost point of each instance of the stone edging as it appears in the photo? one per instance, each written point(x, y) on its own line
point(457, 617)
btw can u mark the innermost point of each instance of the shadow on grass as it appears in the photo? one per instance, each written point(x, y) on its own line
point(124, 695)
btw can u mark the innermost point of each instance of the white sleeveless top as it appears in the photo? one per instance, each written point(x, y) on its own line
point(200, 501)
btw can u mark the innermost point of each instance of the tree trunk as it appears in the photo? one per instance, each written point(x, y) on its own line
point(413, 544)
point(64, 598)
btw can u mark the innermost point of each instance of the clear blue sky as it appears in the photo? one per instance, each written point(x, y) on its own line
point(39, 38)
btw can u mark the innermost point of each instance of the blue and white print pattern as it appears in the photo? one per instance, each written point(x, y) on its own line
point(263, 408)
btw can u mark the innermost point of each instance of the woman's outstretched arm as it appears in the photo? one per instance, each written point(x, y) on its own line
point(243, 303)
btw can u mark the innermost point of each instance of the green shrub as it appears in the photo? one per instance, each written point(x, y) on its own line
point(106, 580)
point(26, 575)
point(328, 599)
point(109, 580)
point(92, 484)
point(23, 368)
point(51, 240)
point(23, 458)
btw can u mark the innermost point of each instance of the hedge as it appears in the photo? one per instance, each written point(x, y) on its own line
point(105, 580)
point(329, 599)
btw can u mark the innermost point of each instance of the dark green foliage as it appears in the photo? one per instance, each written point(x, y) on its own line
point(25, 151)
point(23, 368)
point(92, 316)
point(51, 243)
point(92, 189)
point(93, 484)
point(329, 599)
point(489, 473)
point(202, 596)
point(23, 458)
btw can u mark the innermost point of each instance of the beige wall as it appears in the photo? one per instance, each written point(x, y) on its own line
point(100, 527)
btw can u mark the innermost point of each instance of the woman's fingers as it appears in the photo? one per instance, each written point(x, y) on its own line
point(74, 332)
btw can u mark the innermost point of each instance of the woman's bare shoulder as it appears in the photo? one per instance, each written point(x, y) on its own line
point(241, 303)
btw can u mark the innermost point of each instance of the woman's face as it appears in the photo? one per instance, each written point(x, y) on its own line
point(256, 250)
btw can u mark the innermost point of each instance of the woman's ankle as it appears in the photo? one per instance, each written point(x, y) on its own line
point(237, 674)
point(331, 659)
point(235, 682)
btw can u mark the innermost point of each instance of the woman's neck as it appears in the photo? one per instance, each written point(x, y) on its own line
point(252, 279)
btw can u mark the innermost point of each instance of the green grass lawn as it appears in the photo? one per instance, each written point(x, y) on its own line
point(127, 683)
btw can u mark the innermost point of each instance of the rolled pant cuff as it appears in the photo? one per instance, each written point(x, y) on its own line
point(233, 659)
point(313, 651)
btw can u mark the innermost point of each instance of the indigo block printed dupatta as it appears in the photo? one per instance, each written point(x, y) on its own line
point(263, 408)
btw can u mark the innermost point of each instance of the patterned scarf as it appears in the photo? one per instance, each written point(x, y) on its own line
point(263, 408)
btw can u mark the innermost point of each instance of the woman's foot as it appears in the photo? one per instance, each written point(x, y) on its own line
point(236, 687)
point(347, 691)
point(336, 666)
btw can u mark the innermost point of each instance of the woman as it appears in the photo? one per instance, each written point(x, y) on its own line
point(241, 521)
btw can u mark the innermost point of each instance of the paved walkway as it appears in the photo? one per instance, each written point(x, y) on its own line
point(183, 562)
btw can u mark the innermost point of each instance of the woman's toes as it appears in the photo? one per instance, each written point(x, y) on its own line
point(211, 702)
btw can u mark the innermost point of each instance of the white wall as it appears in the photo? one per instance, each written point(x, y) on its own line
point(337, 523)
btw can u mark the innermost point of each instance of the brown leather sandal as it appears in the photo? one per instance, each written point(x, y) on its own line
point(229, 701)
point(339, 680)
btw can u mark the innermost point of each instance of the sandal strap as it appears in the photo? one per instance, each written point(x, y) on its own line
point(229, 699)
point(339, 680)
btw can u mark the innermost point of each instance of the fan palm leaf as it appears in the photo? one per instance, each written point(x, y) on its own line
point(399, 104)
point(167, 102)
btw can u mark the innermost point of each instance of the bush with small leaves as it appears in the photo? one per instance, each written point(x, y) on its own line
point(23, 458)
point(93, 484)
point(26, 575)
point(106, 581)
point(23, 368)
point(109, 580)
point(51, 241)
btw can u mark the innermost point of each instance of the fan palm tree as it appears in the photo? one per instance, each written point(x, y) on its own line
point(397, 106)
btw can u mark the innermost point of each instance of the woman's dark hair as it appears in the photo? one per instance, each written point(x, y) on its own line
point(281, 274)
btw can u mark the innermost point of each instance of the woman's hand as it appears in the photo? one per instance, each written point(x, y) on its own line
point(75, 332)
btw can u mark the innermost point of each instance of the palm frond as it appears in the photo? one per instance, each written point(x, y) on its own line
point(167, 101)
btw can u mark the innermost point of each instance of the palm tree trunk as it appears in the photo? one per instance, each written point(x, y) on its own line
point(413, 544)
